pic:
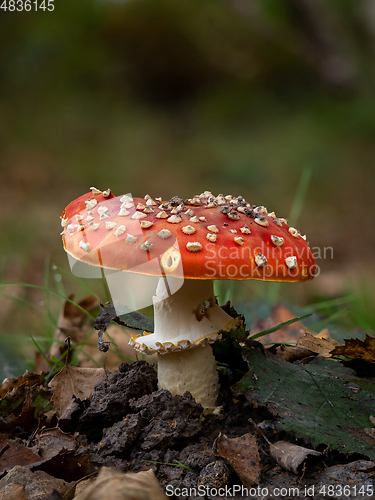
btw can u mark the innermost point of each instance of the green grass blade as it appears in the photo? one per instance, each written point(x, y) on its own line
point(41, 351)
point(331, 319)
point(175, 463)
point(278, 327)
point(79, 348)
point(57, 366)
point(118, 352)
point(325, 304)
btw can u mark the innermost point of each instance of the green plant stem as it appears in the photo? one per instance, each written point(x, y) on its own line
point(278, 327)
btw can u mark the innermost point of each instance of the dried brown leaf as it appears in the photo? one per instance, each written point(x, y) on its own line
point(242, 454)
point(22, 484)
point(14, 453)
point(292, 353)
point(53, 449)
point(28, 378)
point(68, 465)
point(290, 456)
point(73, 381)
point(25, 407)
point(41, 364)
point(117, 485)
point(72, 323)
point(358, 349)
point(318, 344)
point(51, 442)
point(309, 344)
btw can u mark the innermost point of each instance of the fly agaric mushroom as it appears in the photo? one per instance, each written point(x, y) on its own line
point(211, 238)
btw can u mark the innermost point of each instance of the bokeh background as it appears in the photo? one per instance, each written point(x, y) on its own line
point(270, 99)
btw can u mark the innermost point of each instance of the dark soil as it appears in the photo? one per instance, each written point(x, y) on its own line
point(129, 424)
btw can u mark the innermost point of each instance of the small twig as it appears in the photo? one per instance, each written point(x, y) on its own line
point(71, 490)
point(4, 449)
point(67, 340)
point(32, 437)
point(259, 430)
point(105, 369)
point(304, 468)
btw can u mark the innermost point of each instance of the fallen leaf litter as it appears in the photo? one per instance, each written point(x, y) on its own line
point(59, 435)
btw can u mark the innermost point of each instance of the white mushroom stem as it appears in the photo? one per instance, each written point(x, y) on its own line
point(191, 313)
point(192, 370)
point(185, 323)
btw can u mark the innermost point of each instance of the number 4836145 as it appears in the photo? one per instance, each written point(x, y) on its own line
point(27, 5)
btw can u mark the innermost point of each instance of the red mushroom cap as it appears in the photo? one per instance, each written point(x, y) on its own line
point(210, 237)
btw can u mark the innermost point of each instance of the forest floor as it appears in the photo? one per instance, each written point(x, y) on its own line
point(292, 422)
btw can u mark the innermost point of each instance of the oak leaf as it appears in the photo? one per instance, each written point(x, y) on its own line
point(356, 348)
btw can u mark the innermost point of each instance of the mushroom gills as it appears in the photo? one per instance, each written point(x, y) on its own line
point(175, 317)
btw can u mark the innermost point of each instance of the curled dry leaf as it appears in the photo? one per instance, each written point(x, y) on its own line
point(242, 455)
point(115, 485)
point(292, 353)
point(290, 456)
point(358, 349)
point(28, 378)
point(25, 407)
point(321, 344)
point(73, 381)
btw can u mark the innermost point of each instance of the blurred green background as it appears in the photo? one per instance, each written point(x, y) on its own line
point(270, 99)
